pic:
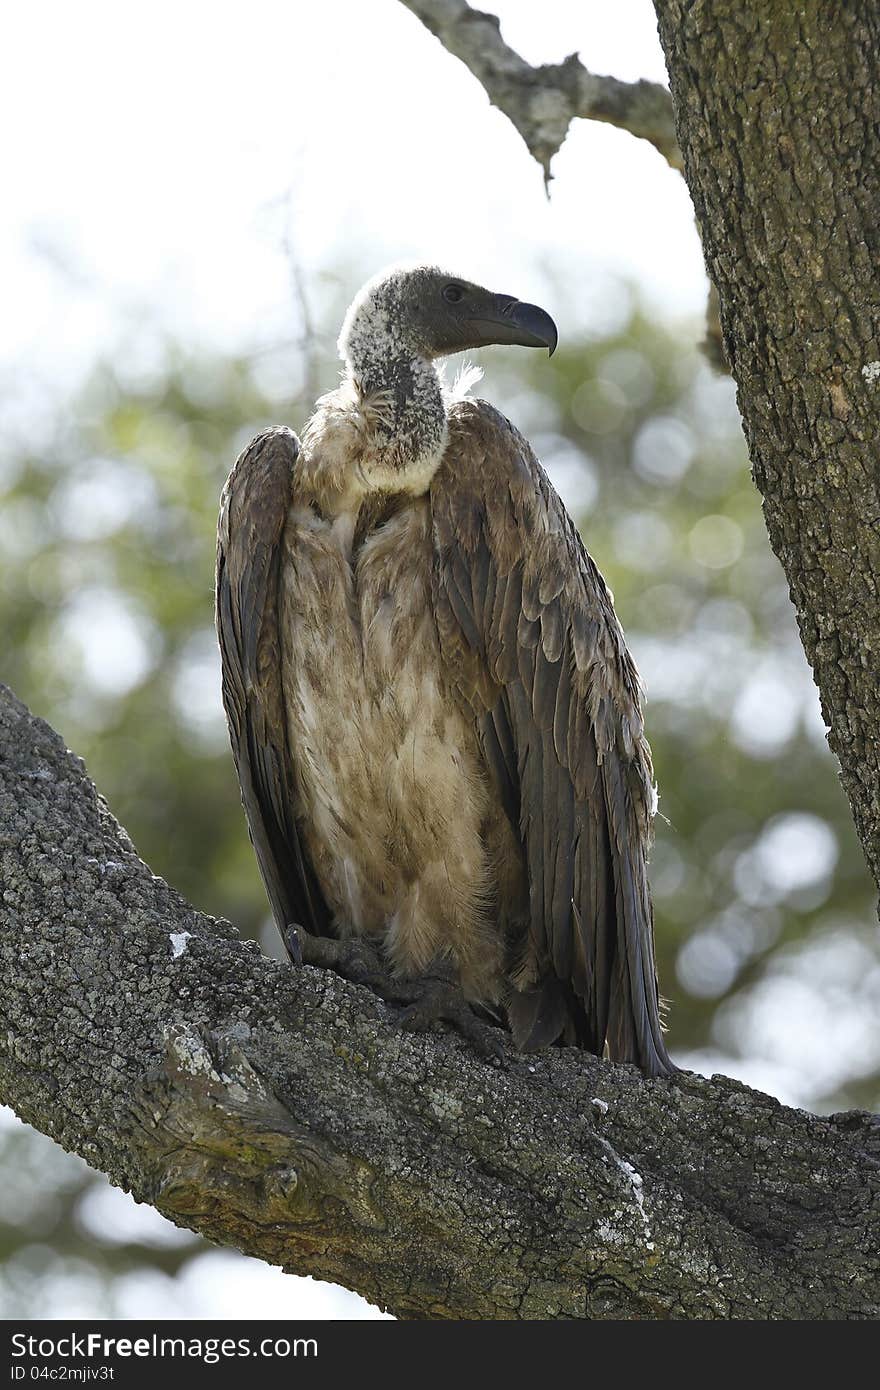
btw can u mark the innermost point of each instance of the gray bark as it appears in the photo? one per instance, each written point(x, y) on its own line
point(284, 1112)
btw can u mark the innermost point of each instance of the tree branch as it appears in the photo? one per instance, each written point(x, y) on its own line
point(542, 101)
point(283, 1112)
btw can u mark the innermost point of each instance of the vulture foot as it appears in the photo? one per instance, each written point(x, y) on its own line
point(436, 997)
point(355, 960)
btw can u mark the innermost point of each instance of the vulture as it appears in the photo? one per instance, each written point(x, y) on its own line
point(434, 717)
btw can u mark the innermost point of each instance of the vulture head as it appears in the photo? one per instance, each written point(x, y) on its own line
point(422, 311)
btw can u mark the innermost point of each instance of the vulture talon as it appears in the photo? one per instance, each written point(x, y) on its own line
point(292, 936)
point(435, 998)
point(431, 998)
point(355, 960)
point(362, 964)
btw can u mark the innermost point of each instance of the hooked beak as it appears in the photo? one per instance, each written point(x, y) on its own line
point(509, 320)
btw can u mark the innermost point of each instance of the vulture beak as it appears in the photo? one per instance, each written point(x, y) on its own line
point(508, 320)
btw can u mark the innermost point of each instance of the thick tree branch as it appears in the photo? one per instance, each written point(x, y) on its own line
point(543, 101)
point(282, 1111)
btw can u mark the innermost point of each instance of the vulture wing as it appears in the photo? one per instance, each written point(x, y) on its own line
point(253, 512)
point(531, 641)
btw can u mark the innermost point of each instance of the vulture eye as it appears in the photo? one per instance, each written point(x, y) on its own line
point(453, 294)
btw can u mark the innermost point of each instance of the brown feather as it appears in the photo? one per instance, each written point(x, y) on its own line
point(252, 517)
point(553, 643)
point(436, 723)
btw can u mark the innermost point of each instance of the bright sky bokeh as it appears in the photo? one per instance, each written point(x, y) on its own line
point(161, 164)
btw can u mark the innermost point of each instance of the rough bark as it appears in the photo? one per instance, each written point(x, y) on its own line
point(282, 1111)
point(541, 102)
point(778, 113)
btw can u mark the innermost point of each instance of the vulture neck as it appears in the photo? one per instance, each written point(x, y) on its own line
point(401, 401)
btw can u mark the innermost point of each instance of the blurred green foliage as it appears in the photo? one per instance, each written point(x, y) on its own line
point(765, 926)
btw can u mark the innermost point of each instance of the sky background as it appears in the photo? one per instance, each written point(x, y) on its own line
point(158, 174)
point(164, 167)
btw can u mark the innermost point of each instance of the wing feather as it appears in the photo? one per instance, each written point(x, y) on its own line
point(536, 650)
point(253, 511)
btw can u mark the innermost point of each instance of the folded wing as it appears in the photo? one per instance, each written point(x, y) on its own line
point(253, 512)
point(531, 642)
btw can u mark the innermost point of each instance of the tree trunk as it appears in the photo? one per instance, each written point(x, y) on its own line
point(777, 113)
point(283, 1111)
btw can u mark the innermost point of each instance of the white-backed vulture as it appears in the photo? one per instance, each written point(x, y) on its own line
point(435, 720)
